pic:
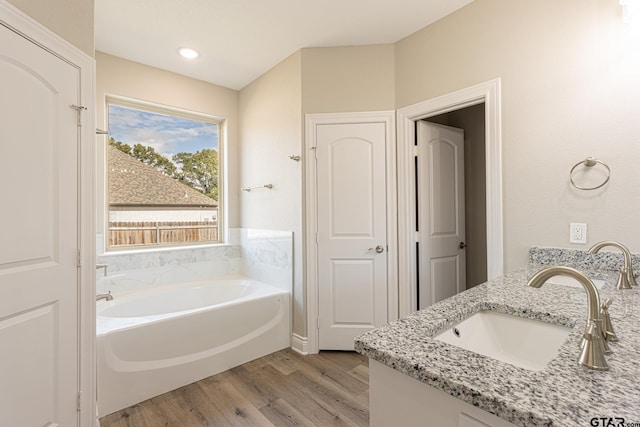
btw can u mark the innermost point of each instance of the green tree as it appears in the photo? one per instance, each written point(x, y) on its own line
point(125, 148)
point(148, 156)
point(199, 170)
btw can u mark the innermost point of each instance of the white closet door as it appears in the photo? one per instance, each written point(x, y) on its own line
point(352, 234)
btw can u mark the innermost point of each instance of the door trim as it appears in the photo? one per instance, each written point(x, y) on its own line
point(17, 21)
point(310, 215)
point(489, 94)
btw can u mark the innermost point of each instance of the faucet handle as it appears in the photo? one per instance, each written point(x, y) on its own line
point(607, 327)
point(99, 266)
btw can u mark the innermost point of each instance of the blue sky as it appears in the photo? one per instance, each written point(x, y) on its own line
point(168, 135)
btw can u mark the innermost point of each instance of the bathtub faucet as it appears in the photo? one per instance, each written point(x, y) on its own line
point(107, 296)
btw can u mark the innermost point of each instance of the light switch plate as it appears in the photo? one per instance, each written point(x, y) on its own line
point(578, 233)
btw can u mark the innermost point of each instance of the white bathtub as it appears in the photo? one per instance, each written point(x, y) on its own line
point(151, 342)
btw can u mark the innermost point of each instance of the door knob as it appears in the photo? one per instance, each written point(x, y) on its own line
point(462, 245)
point(379, 249)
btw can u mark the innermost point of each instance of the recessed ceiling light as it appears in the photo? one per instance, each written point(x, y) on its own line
point(188, 53)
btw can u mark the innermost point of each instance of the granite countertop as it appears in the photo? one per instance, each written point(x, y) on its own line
point(562, 394)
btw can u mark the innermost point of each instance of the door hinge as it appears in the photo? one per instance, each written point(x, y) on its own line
point(318, 322)
point(417, 237)
point(79, 259)
point(79, 400)
point(315, 151)
point(79, 109)
point(316, 237)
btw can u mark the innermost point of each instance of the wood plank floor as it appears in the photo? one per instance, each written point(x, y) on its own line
point(281, 389)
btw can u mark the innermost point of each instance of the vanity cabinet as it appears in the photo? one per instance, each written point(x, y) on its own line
point(418, 380)
point(397, 399)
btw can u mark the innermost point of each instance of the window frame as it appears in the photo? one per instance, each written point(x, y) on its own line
point(158, 108)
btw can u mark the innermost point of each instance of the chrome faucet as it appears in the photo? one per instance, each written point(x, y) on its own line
point(594, 345)
point(107, 296)
point(627, 277)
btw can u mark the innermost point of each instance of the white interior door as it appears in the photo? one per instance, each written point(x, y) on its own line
point(351, 231)
point(441, 224)
point(39, 334)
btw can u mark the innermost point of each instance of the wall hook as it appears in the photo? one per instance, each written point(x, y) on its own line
point(294, 157)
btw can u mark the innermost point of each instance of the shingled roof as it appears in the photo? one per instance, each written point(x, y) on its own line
point(132, 183)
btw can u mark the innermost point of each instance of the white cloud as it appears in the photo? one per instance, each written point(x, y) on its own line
point(166, 134)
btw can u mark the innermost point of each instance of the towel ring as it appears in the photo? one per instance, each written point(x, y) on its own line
point(589, 162)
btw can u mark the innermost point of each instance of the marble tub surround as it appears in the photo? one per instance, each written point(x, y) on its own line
point(121, 261)
point(262, 255)
point(563, 393)
point(607, 259)
point(267, 256)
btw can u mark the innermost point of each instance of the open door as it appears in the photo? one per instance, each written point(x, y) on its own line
point(441, 207)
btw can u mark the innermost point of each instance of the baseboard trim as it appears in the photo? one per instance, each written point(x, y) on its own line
point(300, 344)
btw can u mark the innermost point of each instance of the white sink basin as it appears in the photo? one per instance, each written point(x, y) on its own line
point(527, 343)
point(570, 281)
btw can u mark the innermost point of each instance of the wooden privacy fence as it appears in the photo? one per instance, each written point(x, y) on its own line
point(158, 233)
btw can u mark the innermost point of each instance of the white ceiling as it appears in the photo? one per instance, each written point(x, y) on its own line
point(239, 40)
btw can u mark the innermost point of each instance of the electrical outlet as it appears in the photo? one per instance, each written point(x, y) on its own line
point(578, 233)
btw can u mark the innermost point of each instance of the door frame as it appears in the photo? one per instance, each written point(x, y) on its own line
point(310, 345)
point(489, 94)
point(20, 23)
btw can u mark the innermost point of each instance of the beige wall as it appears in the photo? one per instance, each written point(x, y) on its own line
point(70, 19)
point(271, 131)
point(117, 76)
point(347, 79)
point(272, 108)
point(570, 89)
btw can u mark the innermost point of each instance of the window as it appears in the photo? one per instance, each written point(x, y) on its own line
point(164, 176)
